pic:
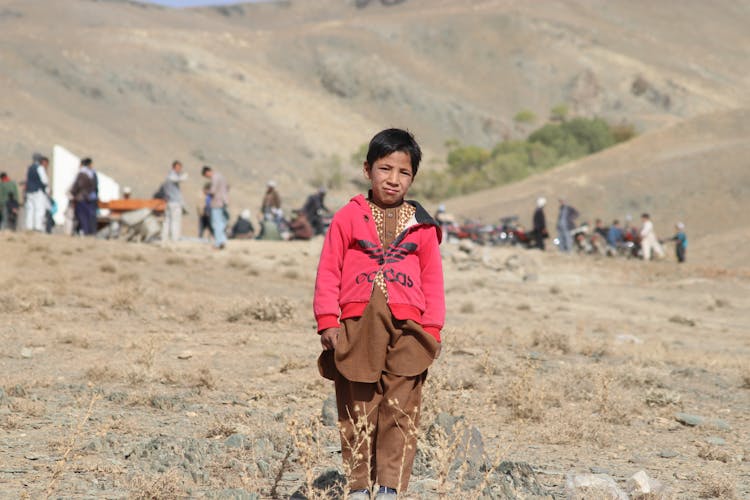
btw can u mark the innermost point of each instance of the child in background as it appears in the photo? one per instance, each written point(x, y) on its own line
point(680, 240)
point(380, 305)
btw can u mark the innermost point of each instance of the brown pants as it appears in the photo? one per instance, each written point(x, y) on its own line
point(378, 423)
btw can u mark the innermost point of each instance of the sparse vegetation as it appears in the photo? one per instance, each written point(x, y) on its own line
point(471, 168)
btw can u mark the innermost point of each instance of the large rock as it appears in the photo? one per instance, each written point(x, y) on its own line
point(589, 486)
point(516, 480)
point(330, 484)
point(640, 484)
point(470, 445)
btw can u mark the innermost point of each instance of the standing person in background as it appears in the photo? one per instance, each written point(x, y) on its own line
point(314, 209)
point(93, 201)
point(204, 212)
point(37, 190)
point(8, 191)
point(615, 234)
point(680, 239)
point(171, 230)
point(271, 200)
point(49, 213)
point(219, 191)
point(649, 241)
point(566, 222)
point(82, 191)
point(540, 224)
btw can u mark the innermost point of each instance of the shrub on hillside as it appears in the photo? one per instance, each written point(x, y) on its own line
point(471, 168)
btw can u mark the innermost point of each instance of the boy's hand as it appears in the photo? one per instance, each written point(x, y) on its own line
point(329, 337)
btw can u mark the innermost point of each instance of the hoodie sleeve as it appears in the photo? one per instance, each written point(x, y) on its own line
point(328, 280)
point(432, 284)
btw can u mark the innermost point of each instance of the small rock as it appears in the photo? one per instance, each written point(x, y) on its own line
point(716, 441)
point(722, 425)
point(330, 412)
point(585, 486)
point(263, 466)
point(27, 353)
point(185, 355)
point(638, 459)
point(599, 470)
point(668, 454)
point(626, 338)
point(235, 441)
point(689, 420)
point(640, 484)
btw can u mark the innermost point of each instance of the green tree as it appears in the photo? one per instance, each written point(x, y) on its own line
point(466, 158)
point(525, 116)
point(559, 113)
point(592, 133)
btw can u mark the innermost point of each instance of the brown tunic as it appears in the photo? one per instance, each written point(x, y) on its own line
point(376, 341)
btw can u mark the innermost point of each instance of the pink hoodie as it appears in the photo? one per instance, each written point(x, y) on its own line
point(352, 256)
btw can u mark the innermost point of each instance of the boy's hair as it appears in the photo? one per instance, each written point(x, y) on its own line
point(205, 169)
point(391, 140)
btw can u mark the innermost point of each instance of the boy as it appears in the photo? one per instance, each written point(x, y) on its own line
point(379, 304)
point(680, 239)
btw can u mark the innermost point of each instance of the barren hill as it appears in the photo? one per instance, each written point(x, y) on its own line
point(697, 171)
point(274, 90)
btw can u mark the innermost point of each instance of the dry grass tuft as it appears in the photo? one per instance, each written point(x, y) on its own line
point(238, 263)
point(551, 342)
point(195, 314)
point(131, 277)
point(167, 485)
point(710, 452)
point(75, 340)
point(102, 373)
point(468, 308)
point(108, 267)
point(265, 309)
point(221, 429)
point(175, 260)
point(125, 297)
point(662, 397)
point(714, 486)
point(291, 274)
point(204, 378)
point(29, 408)
point(524, 394)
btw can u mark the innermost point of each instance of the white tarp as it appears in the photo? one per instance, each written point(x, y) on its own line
point(65, 167)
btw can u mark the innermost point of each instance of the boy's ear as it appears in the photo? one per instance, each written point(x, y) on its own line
point(366, 168)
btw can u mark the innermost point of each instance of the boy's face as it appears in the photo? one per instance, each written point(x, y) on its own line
point(390, 178)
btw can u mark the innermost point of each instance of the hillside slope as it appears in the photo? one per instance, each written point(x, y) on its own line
point(274, 90)
point(697, 171)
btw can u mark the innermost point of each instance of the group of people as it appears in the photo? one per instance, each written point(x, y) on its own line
point(213, 216)
point(213, 211)
point(37, 203)
point(612, 236)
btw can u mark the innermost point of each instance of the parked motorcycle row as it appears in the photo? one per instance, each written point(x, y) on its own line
point(509, 232)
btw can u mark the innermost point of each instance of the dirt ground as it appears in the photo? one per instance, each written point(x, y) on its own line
point(139, 371)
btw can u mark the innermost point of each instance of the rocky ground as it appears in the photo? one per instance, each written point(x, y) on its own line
point(147, 372)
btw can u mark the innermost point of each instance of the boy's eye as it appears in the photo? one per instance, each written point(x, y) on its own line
point(406, 173)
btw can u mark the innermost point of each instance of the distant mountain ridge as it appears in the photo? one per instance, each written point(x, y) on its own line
point(275, 89)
